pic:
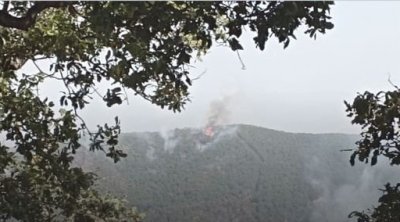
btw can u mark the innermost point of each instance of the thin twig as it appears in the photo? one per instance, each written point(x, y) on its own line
point(45, 74)
point(240, 59)
point(346, 150)
point(199, 76)
point(391, 83)
point(126, 95)
point(41, 58)
point(85, 127)
point(96, 91)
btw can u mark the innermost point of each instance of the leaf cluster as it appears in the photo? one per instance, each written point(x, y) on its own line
point(379, 116)
point(388, 209)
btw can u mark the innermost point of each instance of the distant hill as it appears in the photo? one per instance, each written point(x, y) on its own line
point(239, 173)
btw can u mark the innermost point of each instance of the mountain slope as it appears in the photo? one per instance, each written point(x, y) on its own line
point(241, 173)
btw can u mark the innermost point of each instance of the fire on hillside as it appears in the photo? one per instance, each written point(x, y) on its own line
point(209, 131)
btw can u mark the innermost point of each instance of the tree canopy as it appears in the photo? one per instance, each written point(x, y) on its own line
point(144, 47)
point(379, 116)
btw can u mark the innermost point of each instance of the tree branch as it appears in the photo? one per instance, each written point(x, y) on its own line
point(27, 21)
point(5, 6)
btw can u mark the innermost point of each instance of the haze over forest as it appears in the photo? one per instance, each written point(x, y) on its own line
point(265, 136)
point(239, 173)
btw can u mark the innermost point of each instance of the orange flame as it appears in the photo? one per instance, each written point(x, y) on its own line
point(209, 131)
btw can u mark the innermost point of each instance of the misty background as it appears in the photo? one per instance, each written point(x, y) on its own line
point(298, 89)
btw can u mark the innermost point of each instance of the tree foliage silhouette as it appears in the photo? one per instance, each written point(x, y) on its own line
point(144, 47)
point(379, 116)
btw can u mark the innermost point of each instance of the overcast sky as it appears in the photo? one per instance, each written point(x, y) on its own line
point(299, 89)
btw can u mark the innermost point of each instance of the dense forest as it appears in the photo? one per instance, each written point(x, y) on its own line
point(239, 173)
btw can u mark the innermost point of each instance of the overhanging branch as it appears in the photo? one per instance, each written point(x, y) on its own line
point(27, 21)
point(5, 5)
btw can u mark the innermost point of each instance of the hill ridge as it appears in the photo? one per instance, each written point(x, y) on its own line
point(243, 125)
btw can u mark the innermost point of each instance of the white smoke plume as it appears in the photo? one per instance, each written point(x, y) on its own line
point(219, 112)
point(170, 140)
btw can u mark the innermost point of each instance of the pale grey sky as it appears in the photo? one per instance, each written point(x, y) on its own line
point(299, 89)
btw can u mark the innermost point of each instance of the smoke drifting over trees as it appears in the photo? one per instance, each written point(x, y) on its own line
point(243, 172)
point(219, 112)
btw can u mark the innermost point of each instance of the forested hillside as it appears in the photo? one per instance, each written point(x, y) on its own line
point(238, 173)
